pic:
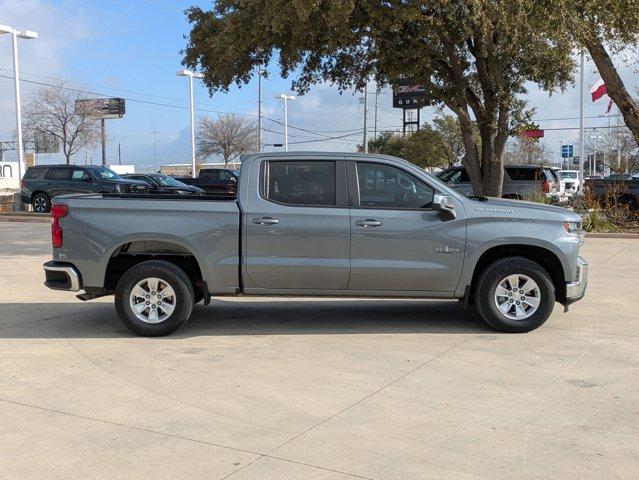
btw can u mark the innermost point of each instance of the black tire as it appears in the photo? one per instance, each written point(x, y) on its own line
point(41, 203)
point(490, 279)
point(169, 274)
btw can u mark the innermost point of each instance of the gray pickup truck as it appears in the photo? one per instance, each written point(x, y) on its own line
point(318, 224)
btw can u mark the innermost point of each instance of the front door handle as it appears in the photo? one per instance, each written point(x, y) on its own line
point(266, 221)
point(369, 222)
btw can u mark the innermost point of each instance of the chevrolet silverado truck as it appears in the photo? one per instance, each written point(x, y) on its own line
point(318, 224)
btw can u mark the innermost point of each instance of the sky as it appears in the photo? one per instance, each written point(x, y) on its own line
point(131, 49)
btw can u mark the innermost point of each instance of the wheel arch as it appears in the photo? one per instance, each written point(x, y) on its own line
point(39, 191)
point(544, 255)
point(134, 251)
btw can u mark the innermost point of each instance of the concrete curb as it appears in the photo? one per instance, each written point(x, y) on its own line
point(25, 217)
point(628, 236)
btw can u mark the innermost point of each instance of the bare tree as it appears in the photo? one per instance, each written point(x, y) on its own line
point(51, 112)
point(229, 136)
point(527, 151)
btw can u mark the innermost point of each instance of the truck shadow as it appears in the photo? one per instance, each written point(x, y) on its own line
point(249, 317)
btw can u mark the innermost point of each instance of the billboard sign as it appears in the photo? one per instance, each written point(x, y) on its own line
point(100, 107)
point(409, 96)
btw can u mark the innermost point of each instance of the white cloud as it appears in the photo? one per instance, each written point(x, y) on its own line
point(59, 26)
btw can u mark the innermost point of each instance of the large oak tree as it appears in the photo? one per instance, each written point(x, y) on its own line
point(474, 56)
point(605, 27)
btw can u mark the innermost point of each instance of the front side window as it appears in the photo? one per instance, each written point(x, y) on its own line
point(104, 173)
point(79, 175)
point(167, 181)
point(301, 182)
point(384, 186)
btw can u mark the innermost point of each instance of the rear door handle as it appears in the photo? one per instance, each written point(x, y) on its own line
point(266, 221)
point(369, 222)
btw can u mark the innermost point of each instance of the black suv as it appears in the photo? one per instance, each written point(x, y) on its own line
point(163, 184)
point(43, 182)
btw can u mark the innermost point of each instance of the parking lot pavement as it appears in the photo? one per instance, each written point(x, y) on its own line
point(316, 389)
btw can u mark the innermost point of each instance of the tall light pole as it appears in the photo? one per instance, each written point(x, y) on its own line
point(27, 35)
point(581, 118)
point(365, 139)
point(191, 75)
point(285, 98)
point(155, 149)
point(259, 110)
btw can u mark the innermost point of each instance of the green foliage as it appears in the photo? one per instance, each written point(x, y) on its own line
point(436, 145)
point(473, 56)
point(596, 221)
point(539, 197)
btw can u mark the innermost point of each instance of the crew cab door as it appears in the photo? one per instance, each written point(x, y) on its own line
point(296, 225)
point(398, 241)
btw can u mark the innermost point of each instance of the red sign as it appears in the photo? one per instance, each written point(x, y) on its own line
point(532, 133)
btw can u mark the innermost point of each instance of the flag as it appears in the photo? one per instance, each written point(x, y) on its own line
point(597, 89)
point(609, 107)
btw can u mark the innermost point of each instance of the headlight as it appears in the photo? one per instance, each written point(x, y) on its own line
point(183, 192)
point(572, 226)
point(118, 188)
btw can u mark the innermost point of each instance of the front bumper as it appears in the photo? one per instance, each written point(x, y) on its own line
point(576, 289)
point(62, 276)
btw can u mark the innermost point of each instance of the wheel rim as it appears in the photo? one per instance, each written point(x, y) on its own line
point(39, 204)
point(517, 297)
point(152, 300)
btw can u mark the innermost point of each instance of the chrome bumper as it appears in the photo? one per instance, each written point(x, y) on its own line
point(62, 277)
point(577, 289)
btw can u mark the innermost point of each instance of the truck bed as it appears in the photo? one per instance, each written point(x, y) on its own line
point(100, 226)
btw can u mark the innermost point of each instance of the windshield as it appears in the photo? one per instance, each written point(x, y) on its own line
point(105, 173)
point(167, 181)
point(571, 175)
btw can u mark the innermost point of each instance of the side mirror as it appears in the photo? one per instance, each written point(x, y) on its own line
point(87, 179)
point(445, 205)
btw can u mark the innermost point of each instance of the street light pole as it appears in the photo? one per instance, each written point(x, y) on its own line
point(191, 75)
point(27, 35)
point(581, 119)
point(285, 98)
point(259, 110)
point(155, 149)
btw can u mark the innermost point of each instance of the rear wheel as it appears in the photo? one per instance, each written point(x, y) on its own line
point(515, 295)
point(41, 203)
point(154, 298)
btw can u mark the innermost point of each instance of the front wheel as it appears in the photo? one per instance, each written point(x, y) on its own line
point(515, 295)
point(154, 298)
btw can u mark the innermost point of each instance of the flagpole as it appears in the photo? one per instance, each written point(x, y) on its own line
point(581, 119)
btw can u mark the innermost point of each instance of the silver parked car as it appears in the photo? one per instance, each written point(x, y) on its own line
point(520, 181)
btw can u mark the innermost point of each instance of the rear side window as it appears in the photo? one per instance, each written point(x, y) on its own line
point(222, 175)
point(210, 174)
point(60, 173)
point(300, 183)
point(34, 172)
point(522, 174)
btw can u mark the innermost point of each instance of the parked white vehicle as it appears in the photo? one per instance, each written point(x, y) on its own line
point(574, 183)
